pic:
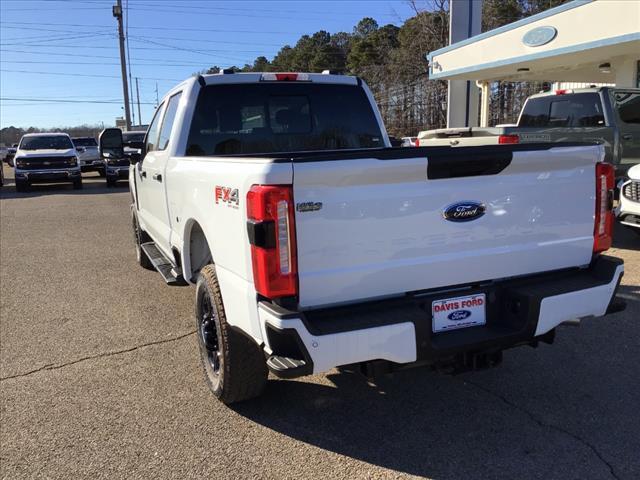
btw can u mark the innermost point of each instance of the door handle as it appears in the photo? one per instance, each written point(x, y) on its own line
point(157, 176)
point(144, 173)
point(627, 136)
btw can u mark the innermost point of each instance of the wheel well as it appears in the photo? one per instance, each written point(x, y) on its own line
point(199, 252)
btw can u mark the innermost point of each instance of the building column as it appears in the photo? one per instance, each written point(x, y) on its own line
point(626, 72)
point(465, 17)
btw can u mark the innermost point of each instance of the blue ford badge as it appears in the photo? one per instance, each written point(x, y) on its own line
point(459, 315)
point(539, 36)
point(463, 211)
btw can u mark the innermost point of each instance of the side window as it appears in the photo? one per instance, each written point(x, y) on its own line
point(628, 106)
point(167, 123)
point(586, 110)
point(152, 133)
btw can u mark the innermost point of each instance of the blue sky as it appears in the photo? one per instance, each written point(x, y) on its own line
point(57, 55)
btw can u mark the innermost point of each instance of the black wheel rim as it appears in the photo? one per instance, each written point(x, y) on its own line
point(209, 331)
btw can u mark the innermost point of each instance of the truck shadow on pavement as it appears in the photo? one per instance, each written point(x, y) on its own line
point(562, 411)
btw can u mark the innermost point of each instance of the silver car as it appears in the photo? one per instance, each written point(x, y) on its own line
point(89, 155)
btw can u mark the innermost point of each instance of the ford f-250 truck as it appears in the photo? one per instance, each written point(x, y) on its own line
point(604, 114)
point(314, 245)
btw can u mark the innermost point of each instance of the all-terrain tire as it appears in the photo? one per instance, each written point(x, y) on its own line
point(140, 237)
point(77, 184)
point(242, 371)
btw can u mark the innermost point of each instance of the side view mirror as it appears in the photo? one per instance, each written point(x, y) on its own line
point(80, 149)
point(111, 145)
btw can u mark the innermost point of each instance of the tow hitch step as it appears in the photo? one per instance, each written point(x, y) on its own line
point(162, 264)
point(285, 367)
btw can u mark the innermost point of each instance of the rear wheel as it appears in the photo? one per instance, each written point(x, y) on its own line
point(234, 366)
point(110, 183)
point(140, 237)
point(22, 186)
point(102, 173)
point(77, 184)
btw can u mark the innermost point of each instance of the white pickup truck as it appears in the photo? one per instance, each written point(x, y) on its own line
point(313, 244)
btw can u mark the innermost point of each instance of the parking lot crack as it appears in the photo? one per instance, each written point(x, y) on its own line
point(53, 366)
point(543, 424)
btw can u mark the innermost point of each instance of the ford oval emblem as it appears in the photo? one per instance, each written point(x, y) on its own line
point(463, 211)
point(539, 36)
point(459, 315)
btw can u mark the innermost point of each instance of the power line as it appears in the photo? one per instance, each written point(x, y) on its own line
point(54, 39)
point(84, 55)
point(88, 75)
point(42, 62)
point(177, 29)
point(201, 41)
point(63, 101)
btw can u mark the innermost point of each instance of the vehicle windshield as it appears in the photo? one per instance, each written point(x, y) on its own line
point(129, 137)
point(282, 117)
point(53, 142)
point(85, 142)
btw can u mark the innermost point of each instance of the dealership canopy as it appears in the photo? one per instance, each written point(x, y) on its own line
point(592, 41)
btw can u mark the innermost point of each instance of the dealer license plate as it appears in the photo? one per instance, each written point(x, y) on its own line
point(459, 312)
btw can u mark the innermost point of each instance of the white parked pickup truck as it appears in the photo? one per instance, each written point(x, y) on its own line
point(313, 244)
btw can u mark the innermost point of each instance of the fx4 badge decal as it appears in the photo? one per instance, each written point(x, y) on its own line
point(308, 206)
point(228, 196)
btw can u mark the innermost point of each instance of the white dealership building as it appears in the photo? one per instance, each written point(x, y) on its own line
point(585, 41)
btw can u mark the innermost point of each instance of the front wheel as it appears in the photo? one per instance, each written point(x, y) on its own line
point(77, 184)
point(234, 366)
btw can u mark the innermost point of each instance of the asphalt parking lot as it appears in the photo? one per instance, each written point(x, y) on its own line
point(100, 377)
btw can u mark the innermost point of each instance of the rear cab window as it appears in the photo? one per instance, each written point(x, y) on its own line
point(85, 142)
point(569, 110)
point(282, 117)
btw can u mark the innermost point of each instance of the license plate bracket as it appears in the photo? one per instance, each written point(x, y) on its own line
point(458, 312)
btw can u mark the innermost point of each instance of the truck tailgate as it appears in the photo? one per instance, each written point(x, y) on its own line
point(373, 226)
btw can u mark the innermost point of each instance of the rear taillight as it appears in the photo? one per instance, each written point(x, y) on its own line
point(508, 139)
point(271, 228)
point(603, 229)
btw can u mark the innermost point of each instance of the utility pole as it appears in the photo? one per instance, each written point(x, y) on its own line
point(157, 101)
point(138, 97)
point(117, 13)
